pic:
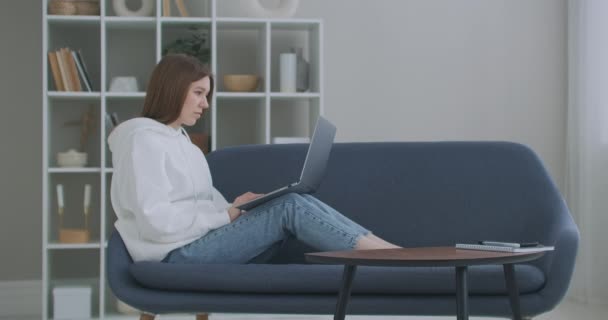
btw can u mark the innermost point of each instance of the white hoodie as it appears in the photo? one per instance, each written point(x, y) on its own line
point(162, 191)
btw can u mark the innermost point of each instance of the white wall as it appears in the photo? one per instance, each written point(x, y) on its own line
point(20, 138)
point(447, 70)
point(396, 70)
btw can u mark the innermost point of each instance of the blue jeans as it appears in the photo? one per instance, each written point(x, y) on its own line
point(258, 230)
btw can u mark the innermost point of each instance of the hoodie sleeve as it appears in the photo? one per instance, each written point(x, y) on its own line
point(158, 218)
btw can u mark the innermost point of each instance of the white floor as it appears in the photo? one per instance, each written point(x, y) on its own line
point(567, 310)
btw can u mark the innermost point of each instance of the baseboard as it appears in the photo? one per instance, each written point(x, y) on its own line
point(586, 301)
point(20, 298)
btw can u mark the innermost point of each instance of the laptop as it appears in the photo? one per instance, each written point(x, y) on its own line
point(314, 167)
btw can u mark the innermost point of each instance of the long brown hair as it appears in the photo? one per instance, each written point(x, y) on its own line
point(169, 84)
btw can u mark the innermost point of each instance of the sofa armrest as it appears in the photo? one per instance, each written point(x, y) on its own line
point(560, 268)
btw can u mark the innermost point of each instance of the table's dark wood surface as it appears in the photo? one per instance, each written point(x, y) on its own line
point(418, 257)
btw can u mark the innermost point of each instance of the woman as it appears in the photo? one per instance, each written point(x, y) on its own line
point(167, 207)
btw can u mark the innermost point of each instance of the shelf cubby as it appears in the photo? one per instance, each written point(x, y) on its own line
point(293, 116)
point(241, 49)
point(85, 275)
point(130, 39)
point(66, 129)
point(195, 8)
point(73, 215)
point(231, 111)
point(78, 34)
point(304, 34)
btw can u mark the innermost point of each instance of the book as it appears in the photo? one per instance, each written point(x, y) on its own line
point(166, 8)
point(85, 71)
point(82, 71)
point(73, 71)
point(55, 71)
point(63, 71)
point(484, 247)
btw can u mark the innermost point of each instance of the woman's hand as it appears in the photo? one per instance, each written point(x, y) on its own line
point(234, 212)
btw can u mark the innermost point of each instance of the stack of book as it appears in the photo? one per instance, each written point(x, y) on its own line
point(505, 246)
point(69, 71)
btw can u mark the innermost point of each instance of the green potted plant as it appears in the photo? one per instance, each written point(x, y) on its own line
point(194, 44)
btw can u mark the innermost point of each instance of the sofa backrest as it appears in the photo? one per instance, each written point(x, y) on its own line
point(411, 193)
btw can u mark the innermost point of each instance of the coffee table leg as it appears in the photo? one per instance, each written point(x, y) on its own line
point(513, 291)
point(344, 295)
point(462, 294)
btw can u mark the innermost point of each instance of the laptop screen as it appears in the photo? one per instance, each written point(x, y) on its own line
point(318, 153)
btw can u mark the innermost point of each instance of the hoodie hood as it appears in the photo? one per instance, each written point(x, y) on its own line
point(119, 137)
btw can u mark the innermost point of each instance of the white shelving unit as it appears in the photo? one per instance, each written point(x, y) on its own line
point(113, 46)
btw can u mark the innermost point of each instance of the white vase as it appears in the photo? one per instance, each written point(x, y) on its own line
point(288, 72)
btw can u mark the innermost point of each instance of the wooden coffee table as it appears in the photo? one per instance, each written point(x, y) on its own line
point(426, 257)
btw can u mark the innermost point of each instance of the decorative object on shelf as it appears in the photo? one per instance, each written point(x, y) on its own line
point(73, 302)
point(146, 9)
point(87, 205)
point(194, 44)
point(288, 72)
point(302, 67)
point(280, 140)
point(86, 123)
point(72, 159)
point(241, 82)
point(124, 84)
point(265, 8)
point(73, 235)
point(74, 7)
point(60, 203)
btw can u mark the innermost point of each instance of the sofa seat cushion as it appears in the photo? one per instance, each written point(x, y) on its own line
point(319, 279)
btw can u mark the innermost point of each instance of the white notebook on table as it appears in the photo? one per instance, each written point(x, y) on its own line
point(484, 247)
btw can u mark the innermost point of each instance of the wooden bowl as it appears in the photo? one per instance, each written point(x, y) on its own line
point(241, 82)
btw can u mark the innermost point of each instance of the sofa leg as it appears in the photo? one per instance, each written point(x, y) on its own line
point(146, 316)
point(202, 316)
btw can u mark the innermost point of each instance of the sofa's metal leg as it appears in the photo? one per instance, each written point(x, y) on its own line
point(147, 316)
point(202, 316)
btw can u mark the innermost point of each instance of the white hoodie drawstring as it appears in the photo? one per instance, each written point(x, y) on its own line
point(183, 131)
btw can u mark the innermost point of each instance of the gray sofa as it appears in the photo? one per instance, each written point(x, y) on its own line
point(412, 194)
